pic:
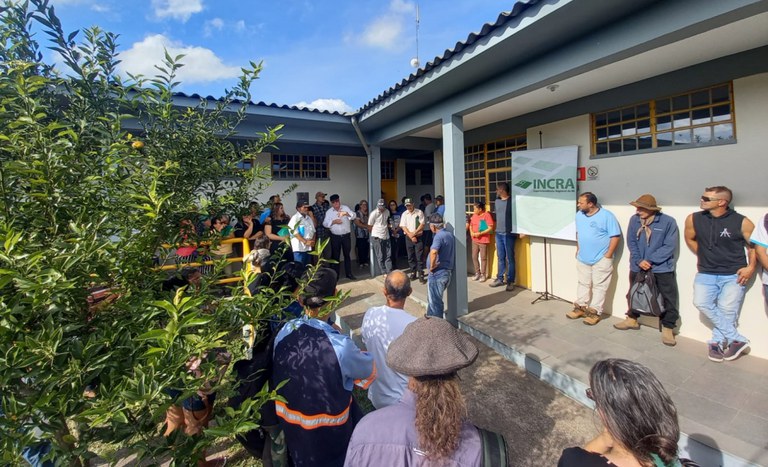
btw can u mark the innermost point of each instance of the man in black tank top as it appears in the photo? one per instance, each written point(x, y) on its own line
point(718, 236)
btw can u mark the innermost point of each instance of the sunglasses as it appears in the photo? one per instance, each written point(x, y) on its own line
point(707, 199)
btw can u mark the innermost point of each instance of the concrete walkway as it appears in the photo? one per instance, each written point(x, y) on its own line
point(723, 407)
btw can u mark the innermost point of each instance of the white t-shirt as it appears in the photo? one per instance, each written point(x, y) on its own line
point(760, 237)
point(296, 224)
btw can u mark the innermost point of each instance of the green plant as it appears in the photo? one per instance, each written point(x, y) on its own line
point(94, 171)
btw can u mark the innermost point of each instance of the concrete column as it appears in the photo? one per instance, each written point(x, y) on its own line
point(453, 171)
point(439, 177)
point(374, 193)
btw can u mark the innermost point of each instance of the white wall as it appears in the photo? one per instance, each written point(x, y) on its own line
point(677, 179)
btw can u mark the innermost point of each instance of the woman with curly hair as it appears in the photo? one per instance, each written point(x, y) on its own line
point(429, 426)
point(640, 427)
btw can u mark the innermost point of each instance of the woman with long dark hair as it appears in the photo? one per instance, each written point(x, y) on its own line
point(395, 233)
point(639, 420)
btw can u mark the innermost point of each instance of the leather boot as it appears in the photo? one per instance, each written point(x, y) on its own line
point(628, 323)
point(668, 337)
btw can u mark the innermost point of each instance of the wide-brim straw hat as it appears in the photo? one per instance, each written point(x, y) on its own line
point(646, 201)
point(431, 347)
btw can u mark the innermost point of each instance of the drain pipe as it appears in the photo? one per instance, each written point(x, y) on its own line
point(360, 135)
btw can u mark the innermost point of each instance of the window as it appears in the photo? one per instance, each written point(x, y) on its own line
point(299, 167)
point(487, 164)
point(697, 118)
point(388, 171)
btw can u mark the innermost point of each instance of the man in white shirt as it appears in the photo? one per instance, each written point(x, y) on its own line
point(412, 223)
point(302, 233)
point(382, 325)
point(338, 220)
point(378, 222)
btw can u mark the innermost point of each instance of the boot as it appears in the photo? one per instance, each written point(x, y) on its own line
point(576, 313)
point(628, 323)
point(668, 337)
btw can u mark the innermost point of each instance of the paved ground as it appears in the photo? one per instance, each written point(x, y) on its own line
point(537, 420)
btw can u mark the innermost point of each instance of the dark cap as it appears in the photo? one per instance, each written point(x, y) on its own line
point(301, 203)
point(430, 347)
point(440, 197)
point(408, 201)
point(334, 198)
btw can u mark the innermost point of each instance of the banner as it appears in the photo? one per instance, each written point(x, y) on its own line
point(544, 192)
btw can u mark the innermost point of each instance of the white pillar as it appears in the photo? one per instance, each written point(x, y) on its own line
point(374, 193)
point(455, 218)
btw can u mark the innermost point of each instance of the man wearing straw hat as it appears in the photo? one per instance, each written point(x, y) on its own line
point(652, 238)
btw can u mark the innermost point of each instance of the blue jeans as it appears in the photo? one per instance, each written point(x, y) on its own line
point(437, 282)
point(719, 297)
point(301, 257)
point(505, 252)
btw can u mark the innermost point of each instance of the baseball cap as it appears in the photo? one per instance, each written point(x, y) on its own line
point(334, 197)
point(408, 201)
point(319, 194)
point(380, 202)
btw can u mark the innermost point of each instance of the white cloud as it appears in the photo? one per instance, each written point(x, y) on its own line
point(240, 26)
point(211, 25)
point(331, 105)
point(388, 30)
point(176, 9)
point(200, 64)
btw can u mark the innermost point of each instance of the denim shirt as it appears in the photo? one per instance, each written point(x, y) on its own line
point(660, 252)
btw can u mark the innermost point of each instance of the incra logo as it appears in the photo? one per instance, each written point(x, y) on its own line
point(523, 184)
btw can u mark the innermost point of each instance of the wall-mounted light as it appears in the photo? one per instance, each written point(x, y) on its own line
point(553, 87)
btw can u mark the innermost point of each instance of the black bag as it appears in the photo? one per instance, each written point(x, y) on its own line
point(494, 449)
point(644, 297)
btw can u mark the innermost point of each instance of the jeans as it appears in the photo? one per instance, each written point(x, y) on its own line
point(593, 281)
point(505, 252)
point(437, 282)
point(666, 283)
point(339, 244)
point(381, 252)
point(719, 297)
point(301, 257)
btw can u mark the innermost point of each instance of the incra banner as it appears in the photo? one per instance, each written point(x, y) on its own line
point(544, 192)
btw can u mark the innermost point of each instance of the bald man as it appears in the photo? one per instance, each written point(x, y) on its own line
point(382, 325)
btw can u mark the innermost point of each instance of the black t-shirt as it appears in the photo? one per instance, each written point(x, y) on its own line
point(578, 457)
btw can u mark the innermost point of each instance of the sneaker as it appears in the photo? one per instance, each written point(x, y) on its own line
point(496, 283)
point(477, 277)
point(735, 349)
point(592, 318)
point(628, 323)
point(510, 288)
point(715, 353)
point(482, 278)
point(576, 313)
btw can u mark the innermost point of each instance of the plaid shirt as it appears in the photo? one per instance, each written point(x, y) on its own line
point(319, 213)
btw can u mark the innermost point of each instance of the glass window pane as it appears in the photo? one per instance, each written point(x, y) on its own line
point(699, 99)
point(682, 119)
point(723, 132)
point(601, 134)
point(600, 119)
point(644, 126)
point(662, 106)
point(614, 147)
point(702, 135)
point(628, 113)
point(664, 139)
point(601, 148)
point(721, 113)
point(645, 142)
point(701, 116)
point(682, 137)
point(720, 94)
point(628, 129)
point(681, 102)
point(614, 131)
point(614, 116)
point(663, 123)
point(630, 144)
point(643, 110)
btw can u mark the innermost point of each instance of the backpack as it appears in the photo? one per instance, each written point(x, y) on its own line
point(494, 449)
point(644, 296)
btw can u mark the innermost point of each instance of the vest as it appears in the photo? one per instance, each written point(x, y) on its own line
point(721, 242)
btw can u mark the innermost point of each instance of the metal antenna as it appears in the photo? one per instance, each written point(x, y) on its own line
point(415, 60)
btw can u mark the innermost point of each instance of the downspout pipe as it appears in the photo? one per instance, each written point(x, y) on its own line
point(360, 136)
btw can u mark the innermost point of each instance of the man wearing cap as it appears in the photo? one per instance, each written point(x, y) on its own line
point(430, 352)
point(718, 236)
point(412, 223)
point(338, 220)
point(652, 239)
point(302, 233)
point(382, 325)
point(319, 209)
point(760, 240)
point(378, 222)
point(597, 236)
point(439, 265)
point(319, 367)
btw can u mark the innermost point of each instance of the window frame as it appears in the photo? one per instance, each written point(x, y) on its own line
point(303, 168)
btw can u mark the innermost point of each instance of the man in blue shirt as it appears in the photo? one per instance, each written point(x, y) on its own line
point(652, 238)
point(597, 236)
point(439, 264)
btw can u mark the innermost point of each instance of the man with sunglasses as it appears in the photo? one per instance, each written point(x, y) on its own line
point(718, 235)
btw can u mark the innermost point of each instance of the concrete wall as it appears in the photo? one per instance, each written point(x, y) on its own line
point(677, 179)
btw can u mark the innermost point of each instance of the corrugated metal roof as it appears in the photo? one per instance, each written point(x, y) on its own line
point(503, 18)
point(261, 104)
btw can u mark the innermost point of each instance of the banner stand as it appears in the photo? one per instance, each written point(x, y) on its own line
point(545, 295)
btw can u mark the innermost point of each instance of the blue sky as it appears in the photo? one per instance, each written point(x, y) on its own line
point(333, 54)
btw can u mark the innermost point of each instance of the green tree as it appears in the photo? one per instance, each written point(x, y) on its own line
point(84, 202)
